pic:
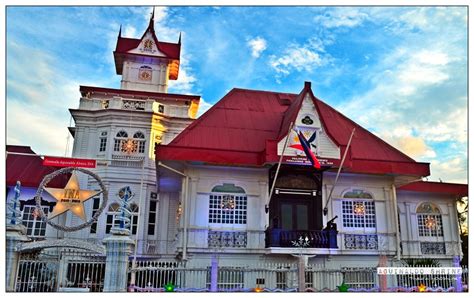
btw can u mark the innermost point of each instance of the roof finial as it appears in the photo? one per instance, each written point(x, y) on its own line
point(120, 31)
point(152, 20)
point(179, 40)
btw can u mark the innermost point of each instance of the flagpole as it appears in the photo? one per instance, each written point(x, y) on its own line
point(325, 210)
point(278, 167)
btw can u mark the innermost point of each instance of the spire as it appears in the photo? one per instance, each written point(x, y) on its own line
point(151, 26)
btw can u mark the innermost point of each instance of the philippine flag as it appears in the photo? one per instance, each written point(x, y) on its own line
point(307, 150)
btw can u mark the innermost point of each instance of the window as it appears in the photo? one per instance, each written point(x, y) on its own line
point(120, 138)
point(114, 212)
point(103, 141)
point(228, 205)
point(357, 213)
point(152, 213)
point(95, 207)
point(35, 226)
point(141, 141)
point(110, 222)
point(430, 223)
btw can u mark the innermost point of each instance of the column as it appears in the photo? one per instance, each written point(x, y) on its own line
point(118, 248)
point(16, 234)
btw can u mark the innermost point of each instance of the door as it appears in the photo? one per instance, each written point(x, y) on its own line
point(295, 215)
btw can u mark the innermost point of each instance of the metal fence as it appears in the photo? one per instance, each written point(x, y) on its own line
point(153, 276)
point(65, 270)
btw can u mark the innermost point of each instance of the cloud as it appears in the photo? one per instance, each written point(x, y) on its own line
point(341, 17)
point(203, 107)
point(257, 45)
point(186, 80)
point(297, 57)
point(452, 170)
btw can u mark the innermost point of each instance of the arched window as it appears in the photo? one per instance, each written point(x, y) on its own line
point(430, 223)
point(113, 213)
point(358, 209)
point(228, 205)
point(120, 138)
point(140, 138)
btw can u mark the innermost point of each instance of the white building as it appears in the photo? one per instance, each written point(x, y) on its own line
point(229, 157)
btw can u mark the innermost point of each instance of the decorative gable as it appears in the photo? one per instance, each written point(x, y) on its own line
point(308, 122)
point(148, 46)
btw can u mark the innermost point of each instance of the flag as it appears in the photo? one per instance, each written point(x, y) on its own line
point(307, 150)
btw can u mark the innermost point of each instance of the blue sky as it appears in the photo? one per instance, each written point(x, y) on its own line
point(401, 72)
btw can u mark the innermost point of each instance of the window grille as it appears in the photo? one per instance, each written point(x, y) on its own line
point(236, 213)
point(350, 219)
point(35, 226)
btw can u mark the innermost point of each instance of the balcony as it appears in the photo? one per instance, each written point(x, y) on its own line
point(326, 238)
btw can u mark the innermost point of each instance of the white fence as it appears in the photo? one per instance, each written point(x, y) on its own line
point(153, 276)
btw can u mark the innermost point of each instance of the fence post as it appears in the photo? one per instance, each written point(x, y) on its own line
point(118, 248)
point(214, 273)
point(458, 278)
point(302, 261)
point(382, 277)
point(16, 234)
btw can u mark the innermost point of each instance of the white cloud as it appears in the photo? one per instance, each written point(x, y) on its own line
point(296, 57)
point(341, 17)
point(203, 107)
point(186, 80)
point(452, 170)
point(257, 45)
point(129, 31)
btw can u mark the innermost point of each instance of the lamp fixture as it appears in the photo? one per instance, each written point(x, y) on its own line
point(359, 209)
point(227, 203)
point(430, 223)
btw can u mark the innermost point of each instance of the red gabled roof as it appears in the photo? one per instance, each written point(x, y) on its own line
point(244, 127)
point(437, 187)
point(29, 169)
point(172, 51)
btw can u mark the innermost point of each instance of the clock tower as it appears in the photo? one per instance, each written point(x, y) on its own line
point(146, 64)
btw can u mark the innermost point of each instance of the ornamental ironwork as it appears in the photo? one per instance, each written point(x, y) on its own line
point(226, 239)
point(74, 192)
point(433, 248)
point(133, 105)
point(354, 241)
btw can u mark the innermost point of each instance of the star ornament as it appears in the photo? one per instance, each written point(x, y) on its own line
point(71, 197)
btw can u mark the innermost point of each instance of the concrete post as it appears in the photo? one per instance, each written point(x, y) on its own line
point(16, 234)
point(301, 276)
point(214, 273)
point(382, 277)
point(458, 278)
point(118, 248)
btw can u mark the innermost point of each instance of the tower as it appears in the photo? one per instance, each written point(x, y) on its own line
point(120, 128)
point(146, 64)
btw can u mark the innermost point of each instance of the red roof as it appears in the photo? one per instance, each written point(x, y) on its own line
point(244, 127)
point(172, 51)
point(29, 169)
point(437, 187)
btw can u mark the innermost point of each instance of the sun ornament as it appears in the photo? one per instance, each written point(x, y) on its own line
point(129, 146)
point(359, 209)
point(430, 223)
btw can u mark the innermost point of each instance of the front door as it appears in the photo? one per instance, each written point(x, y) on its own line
point(295, 215)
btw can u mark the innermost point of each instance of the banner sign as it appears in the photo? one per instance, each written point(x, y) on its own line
point(64, 162)
point(302, 160)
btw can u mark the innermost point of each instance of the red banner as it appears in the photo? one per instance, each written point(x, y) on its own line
point(64, 162)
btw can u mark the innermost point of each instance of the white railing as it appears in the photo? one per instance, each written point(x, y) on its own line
point(153, 276)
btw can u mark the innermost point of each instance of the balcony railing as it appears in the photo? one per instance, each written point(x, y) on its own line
point(326, 238)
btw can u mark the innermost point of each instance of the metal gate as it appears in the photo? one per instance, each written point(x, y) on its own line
point(53, 270)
